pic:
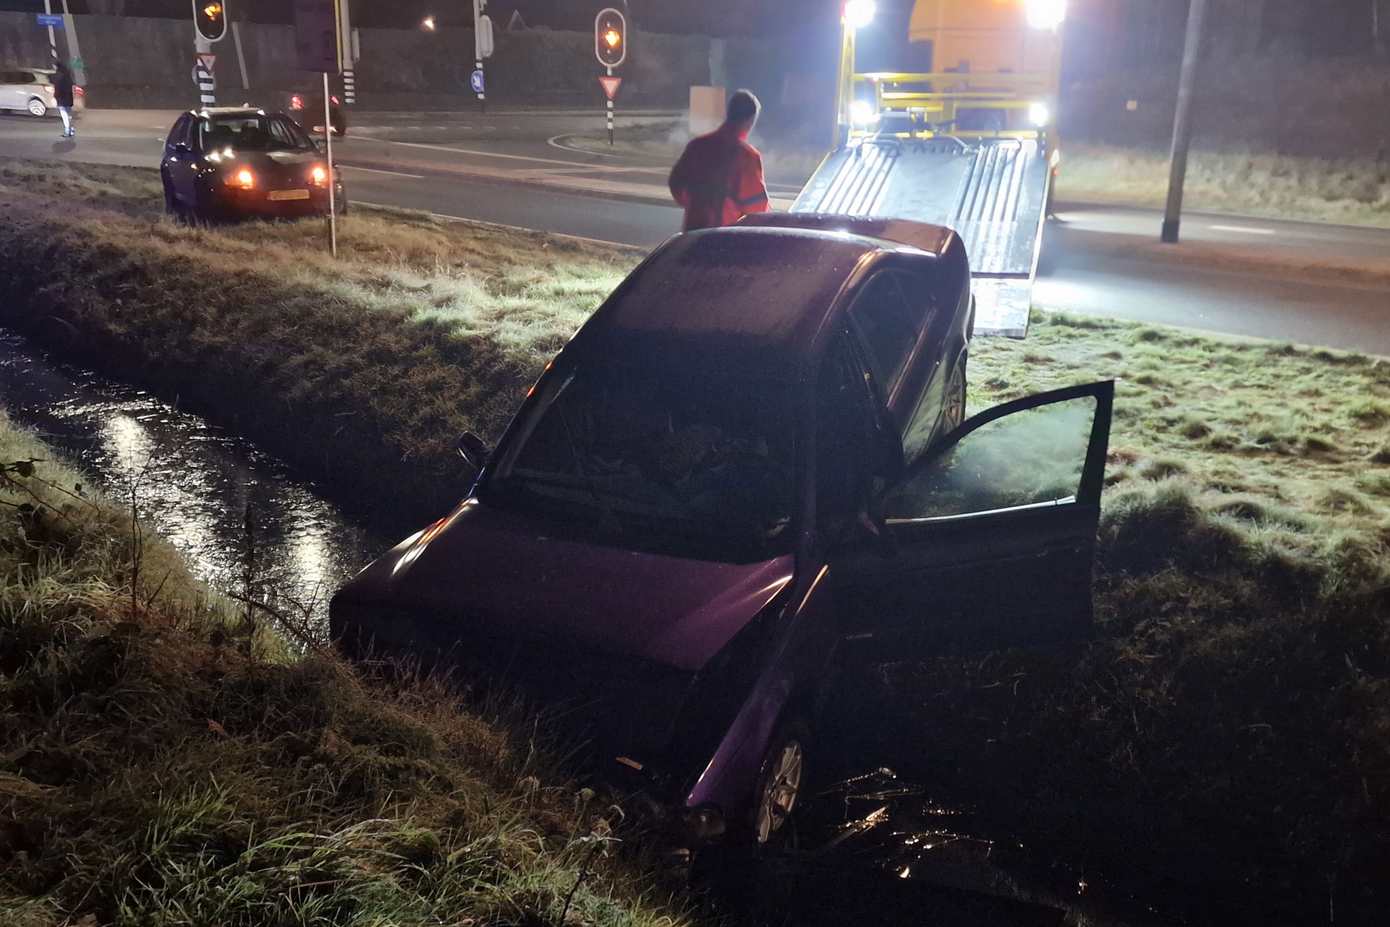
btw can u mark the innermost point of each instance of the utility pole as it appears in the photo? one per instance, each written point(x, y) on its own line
point(52, 39)
point(1182, 121)
point(79, 67)
point(481, 85)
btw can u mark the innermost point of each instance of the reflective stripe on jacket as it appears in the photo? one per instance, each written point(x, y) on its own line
point(719, 179)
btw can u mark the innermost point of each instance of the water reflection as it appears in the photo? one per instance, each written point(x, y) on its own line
point(230, 508)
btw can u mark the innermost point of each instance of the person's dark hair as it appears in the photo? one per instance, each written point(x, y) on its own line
point(743, 107)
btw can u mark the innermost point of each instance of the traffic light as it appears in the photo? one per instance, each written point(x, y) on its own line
point(610, 38)
point(210, 18)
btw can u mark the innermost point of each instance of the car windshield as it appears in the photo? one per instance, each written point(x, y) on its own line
point(253, 132)
point(698, 468)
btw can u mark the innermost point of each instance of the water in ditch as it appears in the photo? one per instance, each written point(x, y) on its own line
point(195, 484)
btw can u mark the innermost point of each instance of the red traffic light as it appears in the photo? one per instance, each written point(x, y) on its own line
point(210, 19)
point(610, 37)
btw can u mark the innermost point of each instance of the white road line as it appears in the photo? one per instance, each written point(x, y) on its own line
point(1242, 229)
point(511, 228)
point(474, 151)
point(374, 170)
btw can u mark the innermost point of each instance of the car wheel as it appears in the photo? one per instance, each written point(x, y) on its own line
point(38, 107)
point(953, 407)
point(780, 785)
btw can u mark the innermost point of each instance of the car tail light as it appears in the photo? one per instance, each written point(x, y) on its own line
point(319, 175)
point(243, 179)
point(296, 102)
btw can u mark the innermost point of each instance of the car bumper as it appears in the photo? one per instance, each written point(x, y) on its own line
point(259, 204)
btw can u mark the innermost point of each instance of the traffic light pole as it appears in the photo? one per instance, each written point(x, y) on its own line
point(478, 52)
point(207, 83)
point(1182, 122)
point(345, 43)
point(610, 116)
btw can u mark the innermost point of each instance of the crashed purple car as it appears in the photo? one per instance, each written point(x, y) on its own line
point(751, 463)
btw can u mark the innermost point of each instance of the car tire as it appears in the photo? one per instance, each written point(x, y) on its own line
point(953, 402)
point(37, 107)
point(782, 781)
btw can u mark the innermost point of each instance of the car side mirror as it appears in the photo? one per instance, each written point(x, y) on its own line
point(474, 450)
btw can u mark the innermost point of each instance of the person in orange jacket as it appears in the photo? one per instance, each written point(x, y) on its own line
point(719, 177)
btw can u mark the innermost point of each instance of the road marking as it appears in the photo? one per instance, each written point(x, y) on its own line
point(511, 228)
point(474, 151)
point(1242, 229)
point(375, 170)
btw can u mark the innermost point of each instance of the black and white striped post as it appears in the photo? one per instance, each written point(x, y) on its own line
point(349, 87)
point(203, 75)
point(348, 52)
point(610, 113)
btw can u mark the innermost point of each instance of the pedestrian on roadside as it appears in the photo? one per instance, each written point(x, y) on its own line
point(62, 96)
point(719, 177)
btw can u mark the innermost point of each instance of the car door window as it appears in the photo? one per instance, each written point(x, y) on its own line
point(888, 327)
point(179, 133)
point(1036, 456)
point(844, 437)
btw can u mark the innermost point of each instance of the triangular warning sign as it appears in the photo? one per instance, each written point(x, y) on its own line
point(611, 85)
point(207, 61)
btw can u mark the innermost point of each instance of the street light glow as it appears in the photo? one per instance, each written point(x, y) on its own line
point(427, 24)
point(1046, 14)
point(859, 13)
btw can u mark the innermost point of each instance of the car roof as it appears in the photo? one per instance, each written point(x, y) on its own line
point(232, 111)
point(748, 299)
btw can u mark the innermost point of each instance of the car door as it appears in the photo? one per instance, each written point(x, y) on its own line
point(13, 93)
point(988, 541)
point(184, 156)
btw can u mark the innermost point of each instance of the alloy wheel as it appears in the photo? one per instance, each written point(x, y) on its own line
point(37, 107)
point(781, 787)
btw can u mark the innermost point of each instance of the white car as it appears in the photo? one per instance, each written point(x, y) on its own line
point(30, 90)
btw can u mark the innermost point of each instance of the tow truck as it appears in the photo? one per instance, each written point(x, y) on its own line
point(970, 145)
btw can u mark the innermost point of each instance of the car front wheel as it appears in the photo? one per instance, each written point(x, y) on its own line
point(953, 408)
point(780, 787)
point(38, 107)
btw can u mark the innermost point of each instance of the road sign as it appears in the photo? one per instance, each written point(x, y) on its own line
point(316, 35)
point(52, 20)
point(207, 61)
point(478, 82)
point(610, 86)
point(486, 42)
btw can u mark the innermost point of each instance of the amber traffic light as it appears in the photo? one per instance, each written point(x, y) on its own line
point(210, 18)
point(610, 38)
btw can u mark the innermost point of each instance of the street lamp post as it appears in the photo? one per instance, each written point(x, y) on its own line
point(855, 15)
point(1182, 121)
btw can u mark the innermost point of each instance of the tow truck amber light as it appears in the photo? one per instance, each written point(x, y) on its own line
point(319, 175)
point(243, 179)
point(1046, 14)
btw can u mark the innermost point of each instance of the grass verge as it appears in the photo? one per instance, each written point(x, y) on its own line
point(164, 760)
point(1230, 728)
point(363, 370)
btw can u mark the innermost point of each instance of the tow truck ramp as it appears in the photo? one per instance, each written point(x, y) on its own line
point(992, 192)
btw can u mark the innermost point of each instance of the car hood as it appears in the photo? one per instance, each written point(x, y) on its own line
point(499, 572)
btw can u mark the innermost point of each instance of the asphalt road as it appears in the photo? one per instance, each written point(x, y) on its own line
point(506, 168)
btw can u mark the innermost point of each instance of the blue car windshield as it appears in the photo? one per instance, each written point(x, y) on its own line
point(700, 468)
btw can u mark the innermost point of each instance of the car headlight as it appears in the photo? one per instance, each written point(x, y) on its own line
point(319, 175)
point(243, 179)
point(863, 113)
point(1039, 114)
point(1046, 14)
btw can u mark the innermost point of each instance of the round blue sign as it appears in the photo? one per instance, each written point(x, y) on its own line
point(476, 82)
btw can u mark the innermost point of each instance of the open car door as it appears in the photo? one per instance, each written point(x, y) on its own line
point(990, 538)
